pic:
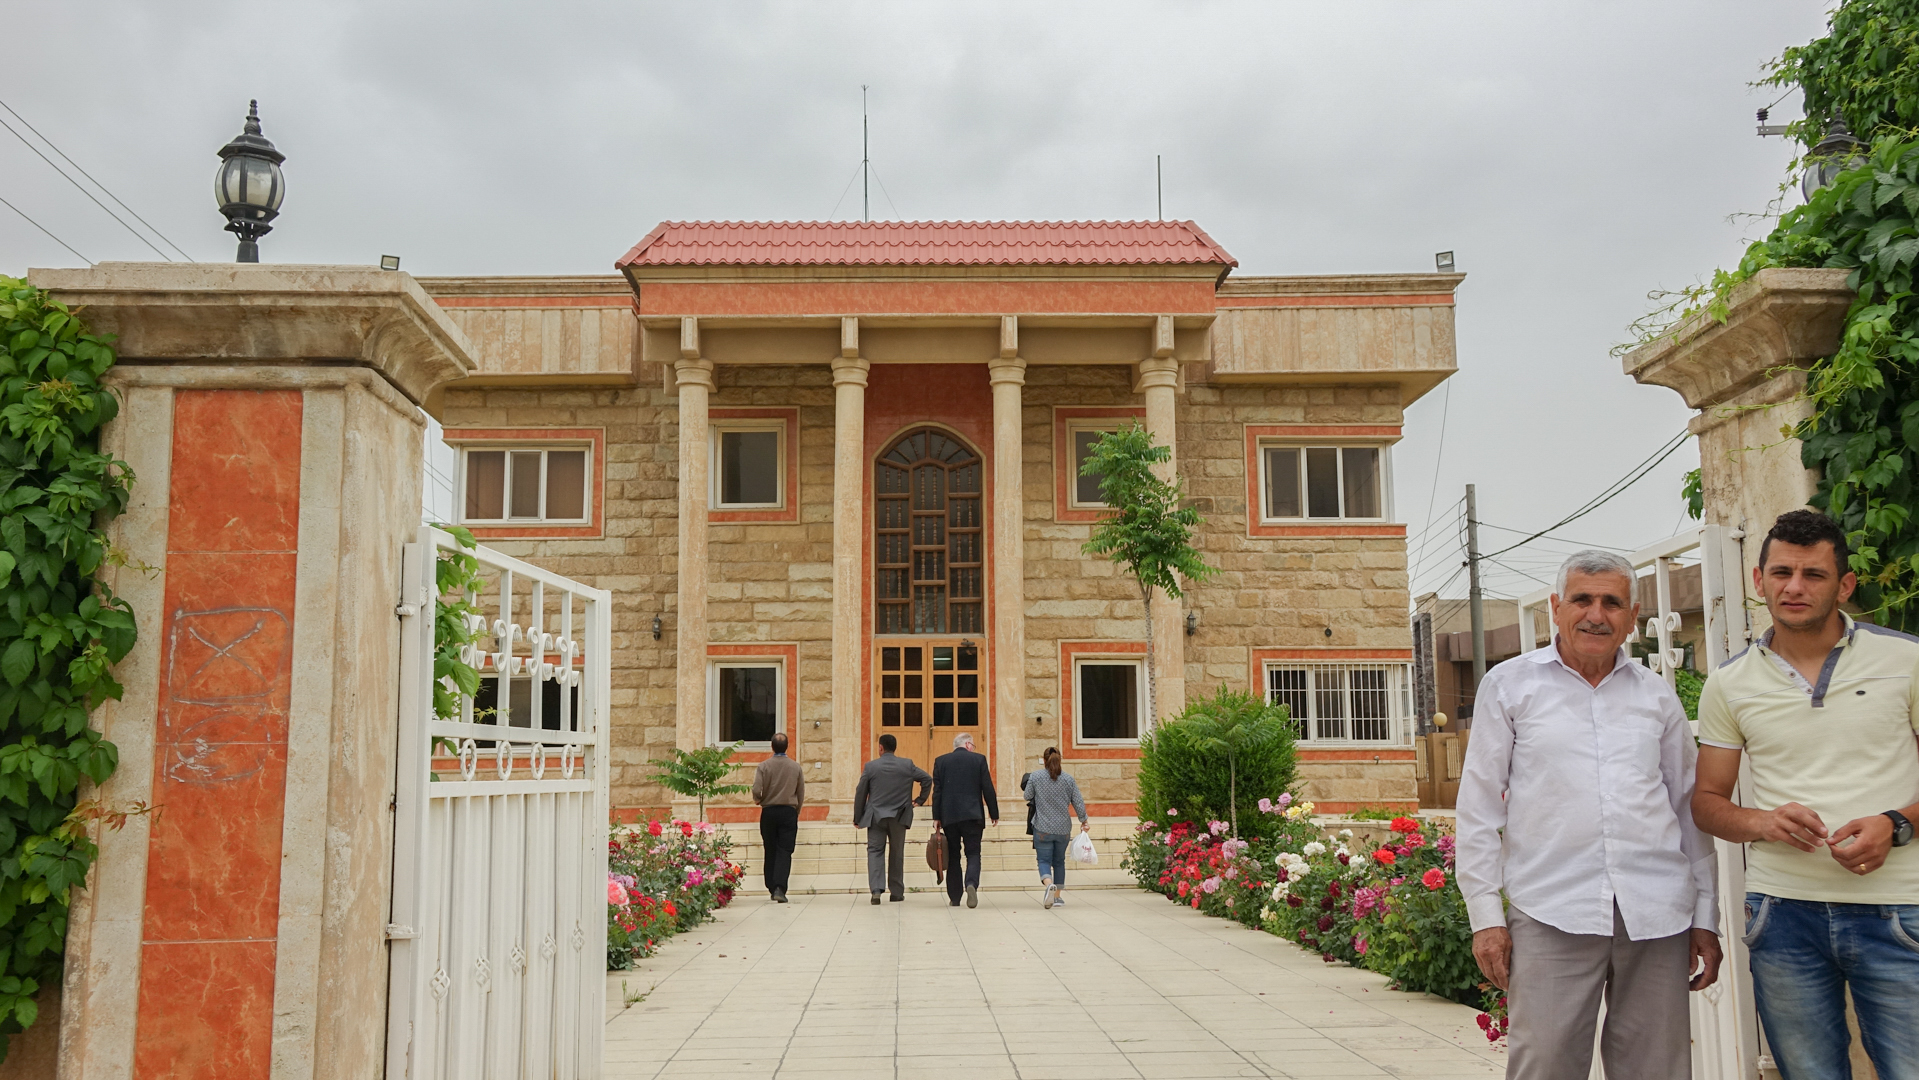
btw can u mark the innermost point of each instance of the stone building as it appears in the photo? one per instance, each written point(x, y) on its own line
point(829, 471)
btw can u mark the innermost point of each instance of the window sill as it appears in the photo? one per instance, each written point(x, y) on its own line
point(1331, 528)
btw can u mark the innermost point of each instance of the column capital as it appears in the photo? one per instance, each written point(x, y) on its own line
point(1006, 369)
point(1156, 371)
point(850, 371)
point(694, 371)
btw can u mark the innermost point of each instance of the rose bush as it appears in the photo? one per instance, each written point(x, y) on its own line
point(1395, 909)
point(662, 878)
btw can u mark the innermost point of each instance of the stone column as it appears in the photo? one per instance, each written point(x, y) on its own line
point(1158, 382)
point(275, 493)
point(695, 380)
point(849, 562)
point(1008, 566)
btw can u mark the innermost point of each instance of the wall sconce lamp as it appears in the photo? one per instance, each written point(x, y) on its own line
point(1192, 623)
point(657, 628)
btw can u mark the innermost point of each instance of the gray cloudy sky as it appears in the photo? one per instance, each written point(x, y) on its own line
point(1574, 155)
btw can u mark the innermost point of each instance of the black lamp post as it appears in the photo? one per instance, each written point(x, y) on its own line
point(1836, 153)
point(249, 186)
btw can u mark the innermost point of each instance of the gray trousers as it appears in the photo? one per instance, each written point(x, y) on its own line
point(1556, 985)
point(886, 870)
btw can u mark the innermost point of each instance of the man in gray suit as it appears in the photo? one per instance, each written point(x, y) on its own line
point(883, 806)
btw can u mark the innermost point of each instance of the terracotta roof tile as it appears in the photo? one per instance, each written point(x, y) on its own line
point(925, 243)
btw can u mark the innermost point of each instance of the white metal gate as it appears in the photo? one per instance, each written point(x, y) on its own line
point(498, 934)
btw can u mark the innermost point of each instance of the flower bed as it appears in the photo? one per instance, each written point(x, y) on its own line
point(1395, 909)
point(660, 880)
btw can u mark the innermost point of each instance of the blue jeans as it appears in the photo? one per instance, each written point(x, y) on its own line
point(1806, 953)
point(1051, 847)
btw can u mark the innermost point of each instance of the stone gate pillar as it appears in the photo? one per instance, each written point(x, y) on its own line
point(270, 415)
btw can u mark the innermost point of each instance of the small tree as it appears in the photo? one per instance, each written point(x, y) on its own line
point(1150, 533)
point(699, 774)
point(1243, 728)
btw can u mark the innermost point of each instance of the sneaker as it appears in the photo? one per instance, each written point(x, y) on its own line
point(1051, 897)
point(876, 899)
point(1060, 899)
point(972, 896)
point(1046, 890)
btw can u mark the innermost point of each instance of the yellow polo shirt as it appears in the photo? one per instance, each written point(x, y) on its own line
point(1842, 747)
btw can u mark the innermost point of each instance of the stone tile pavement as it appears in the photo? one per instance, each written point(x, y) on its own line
point(1118, 983)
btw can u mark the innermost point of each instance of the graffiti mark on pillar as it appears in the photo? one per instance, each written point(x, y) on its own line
point(226, 697)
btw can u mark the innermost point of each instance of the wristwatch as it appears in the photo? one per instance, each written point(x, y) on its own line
point(1901, 829)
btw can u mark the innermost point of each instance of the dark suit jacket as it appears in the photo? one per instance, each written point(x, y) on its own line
point(961, 783)
point(886, 790)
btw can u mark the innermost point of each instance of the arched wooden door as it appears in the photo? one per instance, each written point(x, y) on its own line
point(929, 623)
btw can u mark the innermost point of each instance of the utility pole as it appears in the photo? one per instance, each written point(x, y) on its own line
point(866, 194)
point(1477, 598)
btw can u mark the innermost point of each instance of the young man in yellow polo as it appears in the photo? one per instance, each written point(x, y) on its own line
point(1827, 709)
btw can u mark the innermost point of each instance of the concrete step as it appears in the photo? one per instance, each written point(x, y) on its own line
point(921, 881)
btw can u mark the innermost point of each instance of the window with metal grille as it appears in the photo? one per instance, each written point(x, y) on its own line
point(1344, 702)
point(929, 562)
point(525, 483)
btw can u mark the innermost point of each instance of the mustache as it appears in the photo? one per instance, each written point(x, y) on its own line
point(1591, 627)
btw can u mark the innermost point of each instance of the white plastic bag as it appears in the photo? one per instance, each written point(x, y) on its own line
point(1081, 850)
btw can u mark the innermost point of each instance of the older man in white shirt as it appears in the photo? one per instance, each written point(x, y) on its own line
point(1584, 761)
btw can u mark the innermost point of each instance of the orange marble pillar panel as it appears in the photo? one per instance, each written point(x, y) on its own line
point(213, 867)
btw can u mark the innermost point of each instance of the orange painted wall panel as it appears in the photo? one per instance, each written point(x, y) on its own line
point(945, 296)
point(211, 915)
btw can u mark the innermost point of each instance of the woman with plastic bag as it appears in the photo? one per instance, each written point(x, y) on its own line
point(1056, 800)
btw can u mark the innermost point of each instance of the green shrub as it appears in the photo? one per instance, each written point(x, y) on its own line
point(1215, 761)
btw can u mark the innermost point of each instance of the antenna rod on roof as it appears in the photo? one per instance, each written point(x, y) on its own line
point(866, 195)
point(1159, 186)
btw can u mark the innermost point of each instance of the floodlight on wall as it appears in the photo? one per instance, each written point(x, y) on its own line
point(389, 262)
point(1443, 261)
point(1836, 153)
point(249, 187)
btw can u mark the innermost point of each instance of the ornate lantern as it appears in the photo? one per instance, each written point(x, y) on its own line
point(249, 186)
point(1836, 153)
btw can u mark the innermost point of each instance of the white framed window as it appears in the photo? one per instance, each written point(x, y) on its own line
point(509, 484)
point(1299, 482)
point(745, 702)
point(748, 464)
point(1082, 491)
point(1365, 702)
point(1109, 700)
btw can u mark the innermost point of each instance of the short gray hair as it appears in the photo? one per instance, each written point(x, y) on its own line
point(962, 739)
point(1594, 561)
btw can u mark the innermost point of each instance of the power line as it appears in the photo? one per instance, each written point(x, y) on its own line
point(98, 184)
point(82, 190)
point(44, 229)
point(1612, 491)
point(1440, 454)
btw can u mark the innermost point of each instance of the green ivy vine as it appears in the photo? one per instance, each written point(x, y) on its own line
point(1863, 432)
point(61, 630)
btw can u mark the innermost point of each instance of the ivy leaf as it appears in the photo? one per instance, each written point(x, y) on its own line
point(18, 661)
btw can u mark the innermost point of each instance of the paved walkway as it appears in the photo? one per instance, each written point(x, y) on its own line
point(1119, 983)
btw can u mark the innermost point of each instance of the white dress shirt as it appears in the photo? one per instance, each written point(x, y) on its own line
point(1592, 787)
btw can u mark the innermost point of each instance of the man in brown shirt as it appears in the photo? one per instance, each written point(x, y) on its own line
point(779, 787)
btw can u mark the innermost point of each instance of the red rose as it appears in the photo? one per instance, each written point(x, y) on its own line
point(1404, 825)
point(1434, 879)
point(1294, 901)
point(1325, 923)
point(653, 827)
point(1384, 856)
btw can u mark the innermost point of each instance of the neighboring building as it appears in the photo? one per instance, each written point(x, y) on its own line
point(829, 471)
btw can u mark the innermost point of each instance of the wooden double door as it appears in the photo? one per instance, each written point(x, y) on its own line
point(927, 690)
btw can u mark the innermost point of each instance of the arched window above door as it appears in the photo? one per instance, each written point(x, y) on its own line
point(929, 562)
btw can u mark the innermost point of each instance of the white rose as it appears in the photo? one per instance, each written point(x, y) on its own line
point(1314, 849)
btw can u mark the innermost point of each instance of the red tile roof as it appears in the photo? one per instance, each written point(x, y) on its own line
point(925, 243)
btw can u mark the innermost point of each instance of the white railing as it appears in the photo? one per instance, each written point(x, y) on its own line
point(1725, 1024)
point(1345, 703)
point(498, 933)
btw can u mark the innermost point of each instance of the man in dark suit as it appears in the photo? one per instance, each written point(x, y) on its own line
point(883, 806)
point(963, 798)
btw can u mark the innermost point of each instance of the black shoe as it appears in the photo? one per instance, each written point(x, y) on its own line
point(876, 899)
point(972, 896)
point(896, 899)
point(954, 903)
point(781, 898)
